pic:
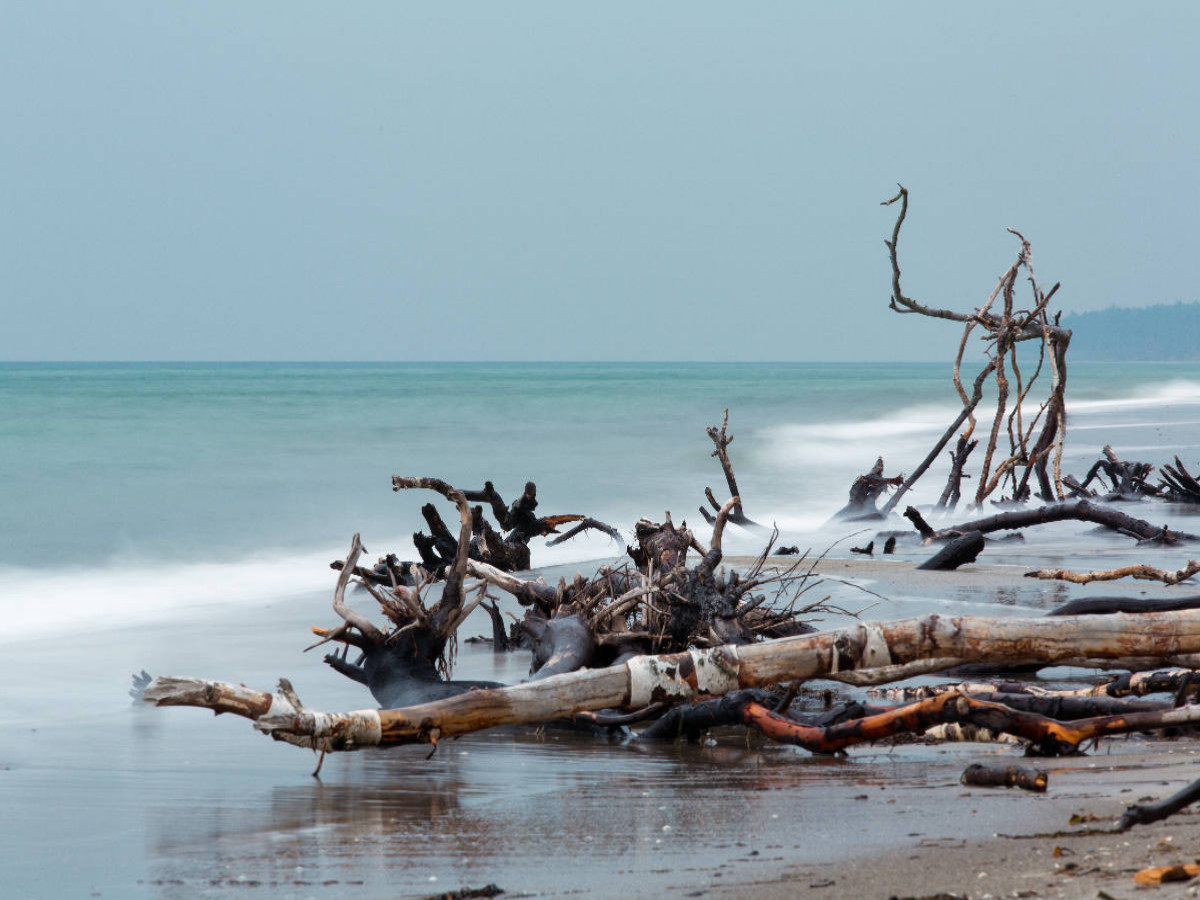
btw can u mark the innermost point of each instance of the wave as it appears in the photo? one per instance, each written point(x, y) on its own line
point(128, 592)
point(125, 593)
point(843, 445)
point(1176, 392)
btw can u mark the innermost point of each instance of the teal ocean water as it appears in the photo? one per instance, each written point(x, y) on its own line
point(181, 518)
point(133, 489)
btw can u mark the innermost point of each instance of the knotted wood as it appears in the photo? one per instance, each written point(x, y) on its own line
point(933, 640)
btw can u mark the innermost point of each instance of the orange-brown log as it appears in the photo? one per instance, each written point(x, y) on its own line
point(1047, 736)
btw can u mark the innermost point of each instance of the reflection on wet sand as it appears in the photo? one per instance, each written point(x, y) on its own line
point(550, 814)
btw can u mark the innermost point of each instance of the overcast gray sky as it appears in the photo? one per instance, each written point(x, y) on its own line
point(567, 181)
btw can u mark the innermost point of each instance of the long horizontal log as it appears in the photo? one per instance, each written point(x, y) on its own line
point(1079, 510)
point(682, 677)
point(1047, 736)
point(1141, 572)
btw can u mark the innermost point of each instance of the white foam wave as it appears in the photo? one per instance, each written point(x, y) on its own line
point(856, 443)
point(1177, 392)
point(127, 593)
point(123, 594)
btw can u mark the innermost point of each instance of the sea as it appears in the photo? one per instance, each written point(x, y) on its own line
point(132, 491)
point(181, 517)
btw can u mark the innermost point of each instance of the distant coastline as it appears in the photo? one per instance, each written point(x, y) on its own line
point(1167, 332)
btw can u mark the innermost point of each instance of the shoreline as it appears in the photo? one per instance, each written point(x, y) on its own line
point(172, 803)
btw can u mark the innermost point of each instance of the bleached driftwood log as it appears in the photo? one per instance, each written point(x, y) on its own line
point(883, 650)
point(1140, 572)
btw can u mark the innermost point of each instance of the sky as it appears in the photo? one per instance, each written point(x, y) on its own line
point(568, 181)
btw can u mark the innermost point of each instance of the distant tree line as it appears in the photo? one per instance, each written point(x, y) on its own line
point(1169, 331)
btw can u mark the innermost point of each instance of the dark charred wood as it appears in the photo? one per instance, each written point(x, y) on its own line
point(769, 624)
point(444, 544)
point(499, 632)
point(1145, 813)
point(889, 546)
point(865, 490)
point(487, 891)
point(1096, 606)
point(1076, 489)
point(588, 524)
point(1127, 479)
point(958, 458)
point(489, 546)
point(1024, 777)
point(402, 674)
point(561, 644)
point(388, 572)
point(663, 546)
point(1178, 485)
point(1139, 684)
point(1079, 510)
point(926, 531)
point(958, 552)
point(694, 720)
point(868, 550)
point(721, 441)
point(788, 551)
point(616, 719)
point(427, 550)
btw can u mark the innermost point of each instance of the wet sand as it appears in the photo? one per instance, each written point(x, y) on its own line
point(104, 798)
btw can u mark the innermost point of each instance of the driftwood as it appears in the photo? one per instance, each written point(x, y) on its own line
point(883, 651)
point(1078, 510)
point(1005, 329)
point(977, 775)
point(958, 459)
point(1141, 572)
point(957, 552)
point(507, 551)
point(666, 606)
point(721, 441)
point(864, 493)
point(1046, 736)
point(1178, 485)
point(1145, 813)
point(1127, 479)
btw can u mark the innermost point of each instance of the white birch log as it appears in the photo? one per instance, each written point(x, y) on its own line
point(893, 647)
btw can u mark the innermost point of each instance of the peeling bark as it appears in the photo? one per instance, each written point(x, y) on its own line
point(683, 677)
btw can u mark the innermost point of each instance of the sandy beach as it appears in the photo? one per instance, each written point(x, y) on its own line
point(172, 803)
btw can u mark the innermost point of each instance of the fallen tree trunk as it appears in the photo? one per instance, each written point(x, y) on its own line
point(1145, 813)
point(977, 775)
point(1046, 736)
point(1140, 572)
point(1080, 510)
point(958, 552)
point(887, 650)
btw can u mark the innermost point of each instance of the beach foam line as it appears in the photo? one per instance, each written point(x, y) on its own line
point(124, 593)
point(1177, 392)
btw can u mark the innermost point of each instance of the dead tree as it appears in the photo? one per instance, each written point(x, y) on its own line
point(1004, 330)
point(1141, 572)
point(410, 663)
point(865, 491)
point(1178, 485)
point(958, 459)
point(866, 653)
point(1078, 510)
point(508, 551)
point(721, 441)
point(1127, 479)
